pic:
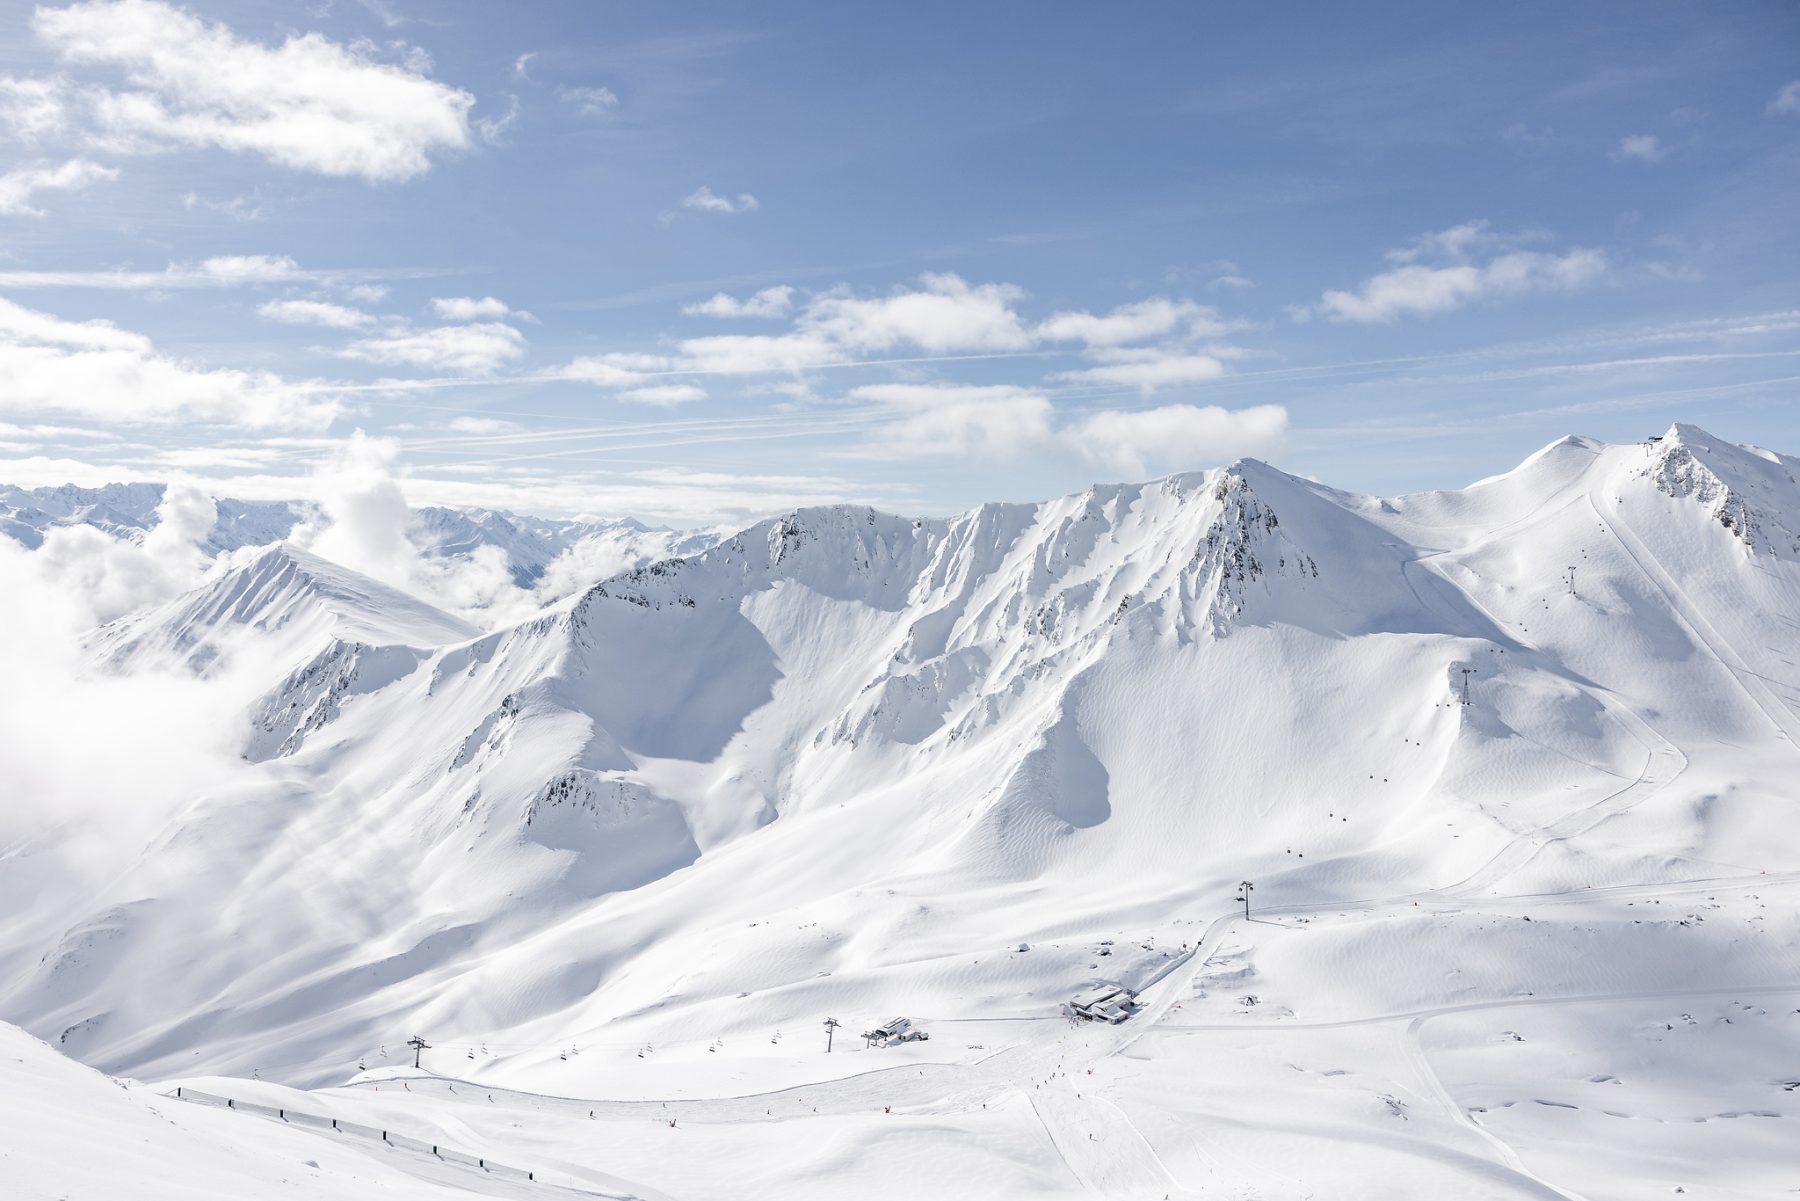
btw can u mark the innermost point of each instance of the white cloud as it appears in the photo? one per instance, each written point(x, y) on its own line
point(43, 433)
point(1138, 322)
point(22, 325)
point(1148, 367)
point(1419, 289)
point(1185, 343)
point(951, 419)
point(770, 302)
point(468, 308)
point(1644, 147)
point(751, 354)
point(314, 312)
point(1176, 437)
point(522, 65)
point(704, 200)
point(1444, 271)
point(1146, 344)
point(613, 370)
point(223, 271)
point(238, 208)
point(232, 269)
point(484, 425)
point(495, 130)
point(309, 103)
point(367, 293)
point(95, 370)
point(17, 186)
point(479, 349)
point(215, 458)
point(1787, 100)
point(664, 394)
point(170, 737)
point(31, 109)
point(364, 523)
point(945, 314)
point(1005, 421)
point(594, 102)
point(1455, 244)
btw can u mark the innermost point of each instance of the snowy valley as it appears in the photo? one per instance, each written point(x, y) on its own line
point(1511, 769)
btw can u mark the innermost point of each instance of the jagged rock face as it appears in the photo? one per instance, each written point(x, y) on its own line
point(1680, 468)
point(649, 587)
point(1237, 545)
point(312, 697)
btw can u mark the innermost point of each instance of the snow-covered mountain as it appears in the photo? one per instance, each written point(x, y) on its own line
point(129, 511)
point(849, 763)
point(530, 544)
point(286, 601)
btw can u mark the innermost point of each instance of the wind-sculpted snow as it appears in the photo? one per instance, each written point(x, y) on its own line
point(848, 763)
point(284, 598)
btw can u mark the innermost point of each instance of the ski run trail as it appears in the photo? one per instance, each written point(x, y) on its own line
point(1511, 769)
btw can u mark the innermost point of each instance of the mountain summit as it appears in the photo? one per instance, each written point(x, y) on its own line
point(843, 758)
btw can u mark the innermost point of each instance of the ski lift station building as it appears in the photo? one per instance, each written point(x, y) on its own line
point(896, 1030)
point(1111, 1003)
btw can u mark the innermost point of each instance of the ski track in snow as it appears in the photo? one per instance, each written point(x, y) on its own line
point(1118, 1160)
point(1774, 708)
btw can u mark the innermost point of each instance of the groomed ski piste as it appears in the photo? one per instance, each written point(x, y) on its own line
point(1525, 918)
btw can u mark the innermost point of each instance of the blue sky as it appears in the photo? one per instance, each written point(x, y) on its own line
point(701, 262)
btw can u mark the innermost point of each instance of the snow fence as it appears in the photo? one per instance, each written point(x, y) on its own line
point(356, 1130)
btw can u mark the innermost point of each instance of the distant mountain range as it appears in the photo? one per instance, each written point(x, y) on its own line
point(530, 544)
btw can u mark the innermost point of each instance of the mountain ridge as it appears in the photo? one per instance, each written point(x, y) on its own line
point(529, 545)
point(886, 746)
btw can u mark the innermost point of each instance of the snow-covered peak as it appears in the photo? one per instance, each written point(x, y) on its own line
point(842, 756)
point(553, 554)
point(129, 511)
point(290, 601)
point(532, 544)
point(1752, 494)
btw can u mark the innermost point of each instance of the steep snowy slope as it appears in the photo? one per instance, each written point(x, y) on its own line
point(73, 1134)
point(327, 633)
point(1030, 719)
point(288, 602)
point(847, 763)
